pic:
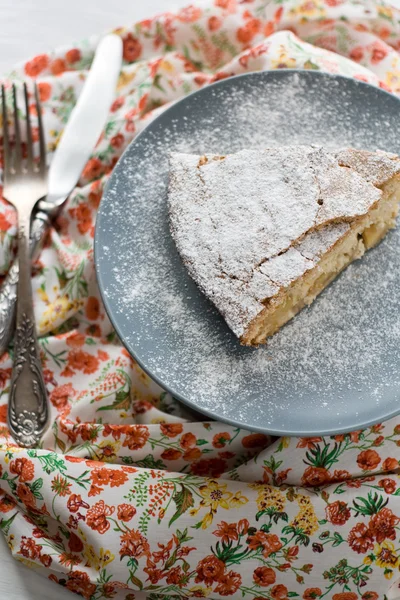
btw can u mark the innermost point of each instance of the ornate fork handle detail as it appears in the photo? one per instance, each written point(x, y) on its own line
point(8, 291)
point(27, 426)
point(28, 408)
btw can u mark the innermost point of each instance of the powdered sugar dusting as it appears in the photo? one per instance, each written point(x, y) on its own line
point(335, 360)
point(235, 219)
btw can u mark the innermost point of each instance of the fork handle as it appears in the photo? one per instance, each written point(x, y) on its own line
point(8, 290)
point(28, 405)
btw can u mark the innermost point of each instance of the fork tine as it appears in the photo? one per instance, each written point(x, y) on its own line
point(28, 129)
point(6, 142)
point(42, 143)
point(18, 150)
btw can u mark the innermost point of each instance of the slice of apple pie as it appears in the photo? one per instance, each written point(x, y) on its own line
point(263, 232)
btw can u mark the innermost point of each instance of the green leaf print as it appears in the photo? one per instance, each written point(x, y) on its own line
point(149, 462)
point(183, 501)
point(51, 463)
point(6, 524)
point(370, 505)
point(122, 402)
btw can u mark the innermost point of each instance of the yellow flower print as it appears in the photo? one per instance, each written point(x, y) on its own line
point(306, 519)
point(284, 61)
point(215, 495)
point(57, 312)
point(393, 80)
point(167, 66)
point(238, 500)
point(28, 563)
point(124, 79)
point(269, 497)
point(10, 542)
point(309, 9)
point(386, 557)
point(106, 557)
point(107, 451)
point(200, 592)
point(97, 562)
point(386, 12)
point(207, 520)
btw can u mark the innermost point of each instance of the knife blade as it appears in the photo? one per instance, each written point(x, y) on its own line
point(80, 135)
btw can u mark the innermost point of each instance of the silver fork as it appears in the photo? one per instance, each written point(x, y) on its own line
point(24, 183)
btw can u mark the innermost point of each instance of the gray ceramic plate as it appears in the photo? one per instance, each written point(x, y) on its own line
point(336, 366)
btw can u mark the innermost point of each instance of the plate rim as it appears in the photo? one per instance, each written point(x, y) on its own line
point(102, 287)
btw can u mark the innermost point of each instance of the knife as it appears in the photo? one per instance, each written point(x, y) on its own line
point(80, 135)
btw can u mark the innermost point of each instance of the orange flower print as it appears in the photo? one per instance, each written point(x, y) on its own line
point(246, 33)
point(389, 485)
point(312, 593)
point(6, 504)
point(368, 460)
point(92, 308)
point(44, 91)
point(116, 105)
point(95, 193)
point(60, 396)
point(76, 340)
point(227, 532)
point(264, 576)
point(26, 496)
point(111, 477)
point(338, 513)
point(189, 14)
point(83, 215)
point(228, 584)
point(192, 454)
point(209, 570)
point(379, 51)
point(315, 476)
point(83, 361)
point(132, 48)
point(382, 525)
point(79, 583)
point(117, 140)
point(345, 596)
point(308, 442)
point(75, 543)
point(360, 539)
point(73, 55)
point(24, 468)
point(29, 548)
point(93, 169)
point(4, 223)
point(269, 542)
point(255, 440)
point(221, 439)
point(137, 437)
point(96, 516)
point(3, 413)
point(214, 23)
point(188, 440)
point(75, 502)
point(279, 592)
point(134, 545)
point(126, 512)
point(213, 467)
point(35, 66)
point(171, 429)
point(58, 66)
point(370, 596)
point(229, 5)
point(171, 454)
point(390, 464)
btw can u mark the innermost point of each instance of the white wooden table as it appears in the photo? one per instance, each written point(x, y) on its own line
point(31, 27)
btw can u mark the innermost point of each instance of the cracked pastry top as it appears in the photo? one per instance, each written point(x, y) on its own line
point(262, 232)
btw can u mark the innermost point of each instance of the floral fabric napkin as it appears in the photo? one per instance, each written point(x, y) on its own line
point(130, 495)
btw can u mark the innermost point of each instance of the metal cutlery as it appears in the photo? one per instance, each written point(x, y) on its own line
point(80, 135)
point(24, 183)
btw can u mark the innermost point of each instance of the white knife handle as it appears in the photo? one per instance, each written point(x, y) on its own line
point(87, 118)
